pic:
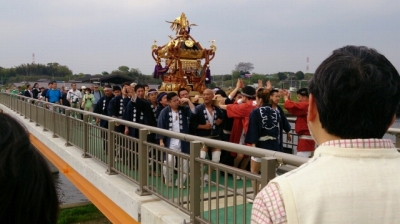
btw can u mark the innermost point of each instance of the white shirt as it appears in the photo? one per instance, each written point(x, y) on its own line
point(175, 143)
point(74, 96)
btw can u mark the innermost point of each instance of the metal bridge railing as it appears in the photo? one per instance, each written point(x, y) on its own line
point(221, 199)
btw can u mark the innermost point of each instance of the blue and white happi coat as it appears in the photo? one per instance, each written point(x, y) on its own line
point(165, 120)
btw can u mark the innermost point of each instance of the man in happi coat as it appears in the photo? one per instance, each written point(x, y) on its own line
point(102, 108)
point(162, 102)
point(116, 108)
point(102, 105)
point(175, 118)
point(208, 122)
point(137, 110)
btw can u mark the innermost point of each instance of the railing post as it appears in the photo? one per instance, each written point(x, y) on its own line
point(37, 113)
point(30, 110)
point(85, 136)
point(195, 182)
point(397, 141)
point(53, 115)
point(25, 100)
point(21, 101)
point(45, 105)
point(67, 113)
point(143, 167)
point(268, 170)
point(110, 146)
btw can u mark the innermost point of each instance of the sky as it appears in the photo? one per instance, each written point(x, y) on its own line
point(92, 36)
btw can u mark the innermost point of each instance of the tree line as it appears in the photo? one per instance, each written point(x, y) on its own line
point(55, 71)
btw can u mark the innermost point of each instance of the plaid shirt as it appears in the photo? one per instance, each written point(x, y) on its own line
point(269, 207)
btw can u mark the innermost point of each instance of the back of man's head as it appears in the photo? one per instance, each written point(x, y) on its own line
point(357, 91)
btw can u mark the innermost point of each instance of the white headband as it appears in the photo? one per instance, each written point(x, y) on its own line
point(154, 91)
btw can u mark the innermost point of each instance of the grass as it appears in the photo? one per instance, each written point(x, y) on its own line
point(79, 214)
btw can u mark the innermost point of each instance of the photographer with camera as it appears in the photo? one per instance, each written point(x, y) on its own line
point(74, 97)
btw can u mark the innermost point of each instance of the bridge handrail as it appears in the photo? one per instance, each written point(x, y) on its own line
point(251, 151)
point(30, 108)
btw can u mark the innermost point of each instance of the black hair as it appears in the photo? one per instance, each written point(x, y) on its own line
point(237, 93)
point(27, 86)
point(126, 84)
point(273, 91)
point(107, 86)
point(115, 88)
point(180, 90)
point(303, 92)
point(250, 91)
point(221, 92)
point(50, 83)
point(27, 190)
point(357, 91)
point(35, 84)
point(138, 86)
point(264, 95)
point(171, 95)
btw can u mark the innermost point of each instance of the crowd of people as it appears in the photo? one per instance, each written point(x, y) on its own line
point(246, 116)
point(353, 176)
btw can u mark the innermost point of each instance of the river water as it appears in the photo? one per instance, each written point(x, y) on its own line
point(67, 192)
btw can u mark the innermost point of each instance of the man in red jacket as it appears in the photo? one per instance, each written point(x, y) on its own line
point(240, 113)
point(306, 144)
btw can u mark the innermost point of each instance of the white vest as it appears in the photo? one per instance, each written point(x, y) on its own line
point(344, 185)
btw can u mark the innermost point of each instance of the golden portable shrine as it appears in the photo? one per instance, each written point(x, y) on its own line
point(187, 63)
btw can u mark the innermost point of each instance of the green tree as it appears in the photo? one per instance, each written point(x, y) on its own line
point(299, 75)
point(281, 76)
point(235, 74)
point(244, 66)
point(123, 68)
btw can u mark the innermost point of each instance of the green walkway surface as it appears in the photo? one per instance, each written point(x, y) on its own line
point(95, 148)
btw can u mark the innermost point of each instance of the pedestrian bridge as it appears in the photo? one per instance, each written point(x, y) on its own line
point(122, 175)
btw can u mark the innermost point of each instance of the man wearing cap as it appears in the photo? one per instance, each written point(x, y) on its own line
point(306, 144)
point(162, 102)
